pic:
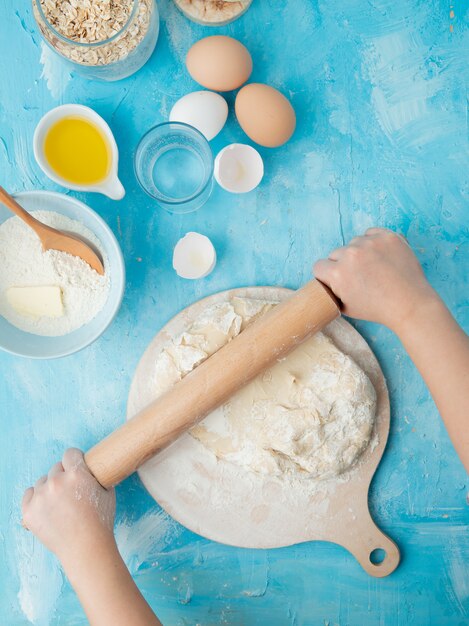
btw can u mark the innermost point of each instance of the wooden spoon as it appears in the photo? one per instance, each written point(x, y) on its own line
point(51, 238)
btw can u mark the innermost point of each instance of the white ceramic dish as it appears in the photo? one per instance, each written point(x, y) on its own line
point(25, 344)
point(111, 185)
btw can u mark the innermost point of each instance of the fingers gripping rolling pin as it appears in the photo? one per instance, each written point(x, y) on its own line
point(209, 385)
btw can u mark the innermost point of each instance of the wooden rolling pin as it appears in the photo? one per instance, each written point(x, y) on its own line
point(212, 383)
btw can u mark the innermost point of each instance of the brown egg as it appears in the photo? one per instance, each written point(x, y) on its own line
point(265, 115)
point(219, 63)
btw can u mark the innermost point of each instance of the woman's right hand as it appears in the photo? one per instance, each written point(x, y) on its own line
point(378, 278)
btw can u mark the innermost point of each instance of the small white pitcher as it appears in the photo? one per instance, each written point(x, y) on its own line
point(111, 186)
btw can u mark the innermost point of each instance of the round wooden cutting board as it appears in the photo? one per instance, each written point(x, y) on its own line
point(231, 505)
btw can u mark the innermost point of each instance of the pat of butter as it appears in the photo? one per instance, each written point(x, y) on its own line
point(38, 301)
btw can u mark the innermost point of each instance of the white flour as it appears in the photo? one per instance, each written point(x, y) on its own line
point(24, 263)
point(310, 415)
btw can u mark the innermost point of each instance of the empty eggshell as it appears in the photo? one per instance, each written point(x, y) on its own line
point(220, 63)
point(238, 168)
point(205, 110)
point(194, 256)
point(265, 115)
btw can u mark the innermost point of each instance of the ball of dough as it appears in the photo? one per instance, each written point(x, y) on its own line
point(310, 415)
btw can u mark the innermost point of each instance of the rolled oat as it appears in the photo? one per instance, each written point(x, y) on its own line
point(88, 25)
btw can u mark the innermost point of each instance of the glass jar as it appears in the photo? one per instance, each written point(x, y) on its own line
point(213, 12)
point(98, 44)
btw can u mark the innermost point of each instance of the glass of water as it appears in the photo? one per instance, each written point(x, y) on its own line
point(174, 165)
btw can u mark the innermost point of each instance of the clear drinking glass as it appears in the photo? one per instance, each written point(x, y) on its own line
point(110, 57)
point(174, 165)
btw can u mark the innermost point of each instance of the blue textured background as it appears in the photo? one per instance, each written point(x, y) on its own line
point(379, 89)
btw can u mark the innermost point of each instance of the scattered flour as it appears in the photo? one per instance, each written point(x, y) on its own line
point(24, 263)
point(141, 542)
point(310, 415)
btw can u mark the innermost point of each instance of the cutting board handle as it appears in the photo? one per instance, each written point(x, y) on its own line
point(376, 552)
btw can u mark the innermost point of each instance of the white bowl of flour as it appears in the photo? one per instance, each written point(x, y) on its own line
point(90, 301)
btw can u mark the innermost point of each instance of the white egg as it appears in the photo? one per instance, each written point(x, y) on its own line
point(238, 168)
point(205, 110)
point(194, 256)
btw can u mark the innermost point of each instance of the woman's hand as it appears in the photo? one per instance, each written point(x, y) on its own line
point(73, 516)
point(378, 278)
point(69, 511)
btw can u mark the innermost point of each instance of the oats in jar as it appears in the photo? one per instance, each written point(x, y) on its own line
point(94, 32)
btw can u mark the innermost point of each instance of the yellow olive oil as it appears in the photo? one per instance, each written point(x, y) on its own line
point(77, 151)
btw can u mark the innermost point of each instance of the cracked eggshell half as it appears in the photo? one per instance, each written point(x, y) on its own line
point(219, 63)
point(204, 110)
point(238, 168)
point(194, 256)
